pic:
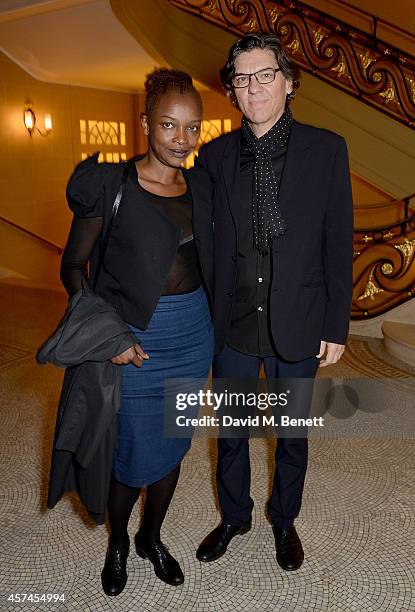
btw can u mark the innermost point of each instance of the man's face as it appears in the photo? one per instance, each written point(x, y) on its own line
point(262, 105)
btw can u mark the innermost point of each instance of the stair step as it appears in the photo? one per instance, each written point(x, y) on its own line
point(399, 340)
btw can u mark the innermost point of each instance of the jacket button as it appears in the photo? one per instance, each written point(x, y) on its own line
point(230, 294)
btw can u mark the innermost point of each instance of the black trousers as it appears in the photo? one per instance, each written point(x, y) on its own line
point(234, 471)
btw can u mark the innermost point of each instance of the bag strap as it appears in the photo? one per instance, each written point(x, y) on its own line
point(114, 211)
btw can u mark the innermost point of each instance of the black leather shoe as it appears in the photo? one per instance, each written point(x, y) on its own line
point(290, 554)
point(216, 543)
point(114, 573)
point(165, 566)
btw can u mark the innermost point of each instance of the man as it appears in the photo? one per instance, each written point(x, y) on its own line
point(283, 264)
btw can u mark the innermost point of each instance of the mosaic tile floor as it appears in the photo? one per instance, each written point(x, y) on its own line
point(357, 521)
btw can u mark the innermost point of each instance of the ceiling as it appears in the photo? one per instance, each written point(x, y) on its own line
point(73, 42)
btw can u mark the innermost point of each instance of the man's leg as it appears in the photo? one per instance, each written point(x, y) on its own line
point(233, 475)
point(291, 464)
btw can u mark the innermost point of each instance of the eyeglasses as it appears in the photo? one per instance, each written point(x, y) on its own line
point(264, 76)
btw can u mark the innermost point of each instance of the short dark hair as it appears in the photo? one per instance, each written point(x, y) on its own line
point(260, 40)
point(163, 80)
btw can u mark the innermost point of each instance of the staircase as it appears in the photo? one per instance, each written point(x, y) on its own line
point(399, 340)
point(28, 259)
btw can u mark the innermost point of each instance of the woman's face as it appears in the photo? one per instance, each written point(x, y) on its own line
point(173, 128)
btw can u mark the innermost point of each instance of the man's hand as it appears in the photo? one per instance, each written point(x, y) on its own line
point(134, 355)
point(333, 353)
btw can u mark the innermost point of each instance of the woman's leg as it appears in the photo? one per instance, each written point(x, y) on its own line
point(120, 504)
point(147, 540)
point(121, 501)
point(159, 496)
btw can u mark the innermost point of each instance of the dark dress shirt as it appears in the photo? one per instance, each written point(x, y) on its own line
point(250, 330)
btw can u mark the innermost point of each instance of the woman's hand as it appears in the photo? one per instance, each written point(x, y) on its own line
point(134, 355)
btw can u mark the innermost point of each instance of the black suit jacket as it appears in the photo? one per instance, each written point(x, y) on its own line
point(312, 263)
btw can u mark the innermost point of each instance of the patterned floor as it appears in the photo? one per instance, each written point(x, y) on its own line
point(357, 522)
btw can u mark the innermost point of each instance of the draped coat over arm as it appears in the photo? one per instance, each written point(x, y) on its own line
point(90, 334)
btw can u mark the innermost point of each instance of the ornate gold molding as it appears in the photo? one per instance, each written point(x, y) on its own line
point(349, 59)
point(384, 265)
point(371, 288)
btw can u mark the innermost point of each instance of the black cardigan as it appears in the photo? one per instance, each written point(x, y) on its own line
point(143, 241)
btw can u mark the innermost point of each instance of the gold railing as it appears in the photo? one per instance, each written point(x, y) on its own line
point(45, 241)
point(384, 257)
point(348, 58)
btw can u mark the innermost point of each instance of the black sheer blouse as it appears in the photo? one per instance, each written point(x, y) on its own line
point(167, 226)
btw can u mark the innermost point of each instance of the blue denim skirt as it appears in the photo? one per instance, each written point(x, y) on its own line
point(179, 341)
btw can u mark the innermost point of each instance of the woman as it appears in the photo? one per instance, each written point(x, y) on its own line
point(156, 269)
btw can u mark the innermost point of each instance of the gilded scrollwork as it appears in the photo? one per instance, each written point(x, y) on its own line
point(366, 59)
point(294, 45)
point(252, 25)
point(318, 36)
point(389, 94)
point(379, 75)
point(383, 273)
point(384, 260)
point(407, 248)
point(371, 289)
point(274, 14)
point(412, 87)
point(387, 269)
point(341, 68)
point(212, 6)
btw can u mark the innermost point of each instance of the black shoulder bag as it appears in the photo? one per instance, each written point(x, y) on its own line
point(106, 238)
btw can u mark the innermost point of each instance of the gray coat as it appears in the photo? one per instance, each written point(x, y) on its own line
point(90, 334)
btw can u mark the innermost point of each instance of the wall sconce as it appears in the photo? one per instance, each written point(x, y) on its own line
point(29, 119)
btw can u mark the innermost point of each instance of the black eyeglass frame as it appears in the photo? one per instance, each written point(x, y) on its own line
point(251, 74)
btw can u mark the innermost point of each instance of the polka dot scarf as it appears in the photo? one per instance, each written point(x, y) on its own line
point(266, 214)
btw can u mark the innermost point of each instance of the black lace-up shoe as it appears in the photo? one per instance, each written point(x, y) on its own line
point(165, 566)
point(114, 574)
point(216, 543)
point(290, 554)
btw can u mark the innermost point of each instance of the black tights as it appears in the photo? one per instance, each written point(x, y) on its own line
point(121, 503)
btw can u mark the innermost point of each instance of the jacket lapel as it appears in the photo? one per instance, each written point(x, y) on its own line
point(298, 155)
point(231, 169)
point(198, 182)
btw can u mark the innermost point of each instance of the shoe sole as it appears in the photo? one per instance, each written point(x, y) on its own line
point(241, 532)
point(143, 555)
